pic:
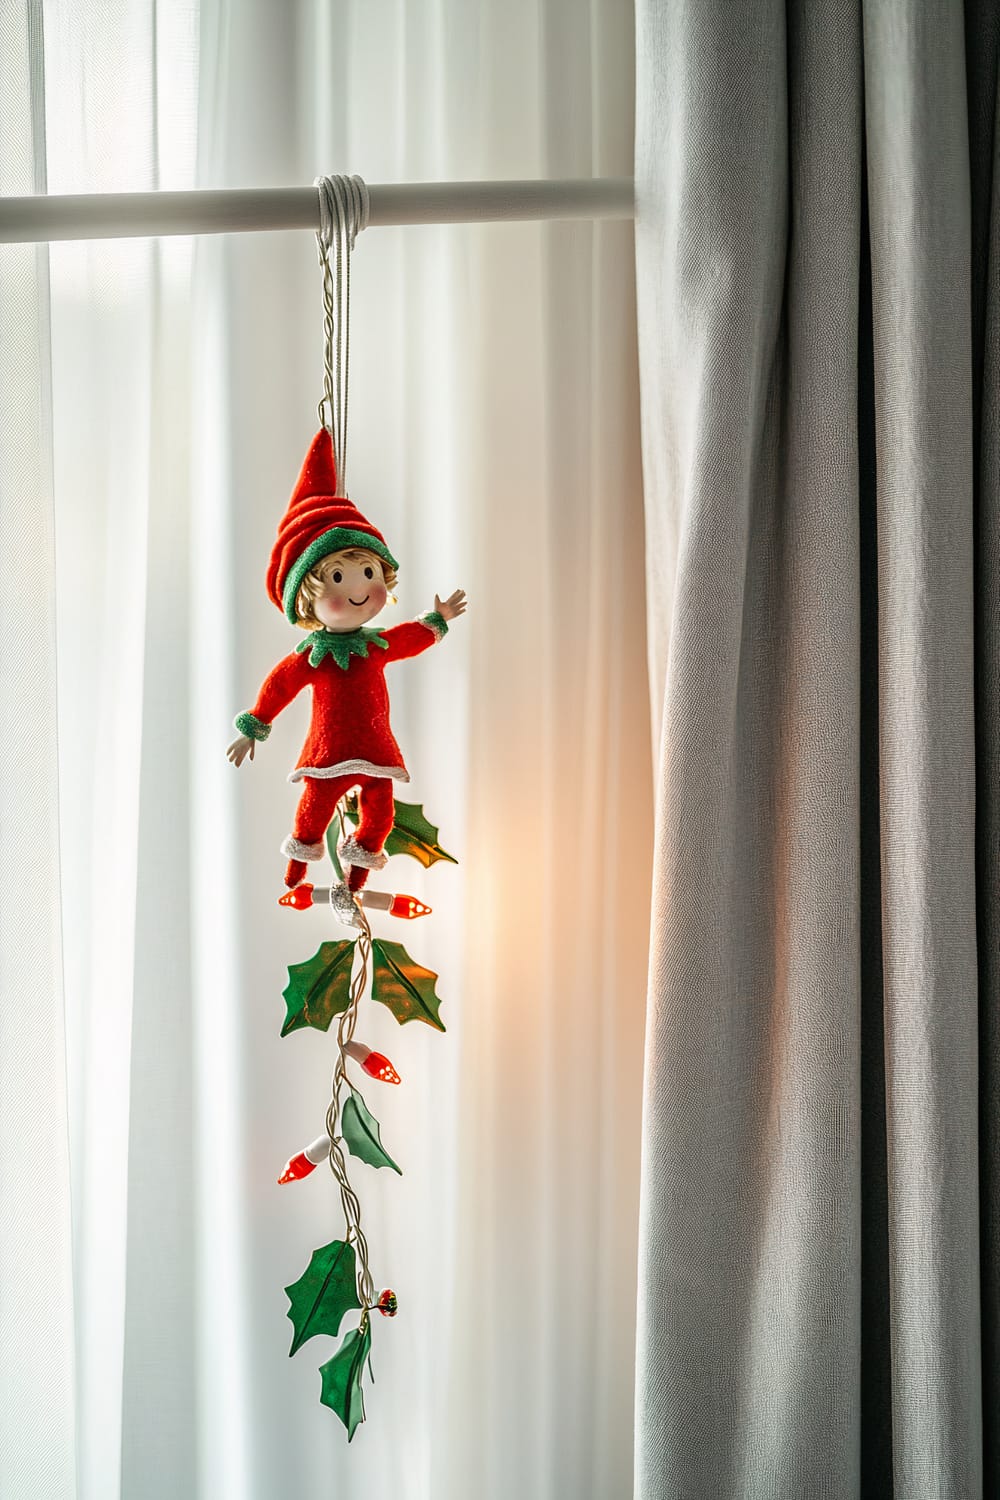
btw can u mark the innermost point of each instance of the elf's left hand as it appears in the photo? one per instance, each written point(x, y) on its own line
point(450, 608)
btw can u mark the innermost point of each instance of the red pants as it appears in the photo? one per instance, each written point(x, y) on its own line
point(319, 799)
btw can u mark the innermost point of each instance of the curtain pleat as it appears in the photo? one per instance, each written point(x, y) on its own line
point(918, 178)
point(982, 49)
point(876, 1337)
point(38, 1420)
point(114, 85)
point(748, 186)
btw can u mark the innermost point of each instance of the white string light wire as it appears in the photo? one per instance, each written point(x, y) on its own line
point(344, 211)
point(348, 1197)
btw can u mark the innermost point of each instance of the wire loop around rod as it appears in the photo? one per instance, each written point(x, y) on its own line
point(344, 209)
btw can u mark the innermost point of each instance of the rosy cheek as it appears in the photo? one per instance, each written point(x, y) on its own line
point(379, 594)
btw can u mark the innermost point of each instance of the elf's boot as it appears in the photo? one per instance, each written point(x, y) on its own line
point(295, 873)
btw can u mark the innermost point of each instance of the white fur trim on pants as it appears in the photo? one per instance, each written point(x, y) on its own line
point(349, 768)
point(295, 850)
point(351, 852)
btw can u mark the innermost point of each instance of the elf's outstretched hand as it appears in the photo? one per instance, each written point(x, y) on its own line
point(450, 608)
point(238, 749)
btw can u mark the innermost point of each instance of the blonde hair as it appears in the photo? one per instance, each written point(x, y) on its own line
point(315, 581)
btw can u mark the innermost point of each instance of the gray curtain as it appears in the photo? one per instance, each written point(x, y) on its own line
point(818, 244)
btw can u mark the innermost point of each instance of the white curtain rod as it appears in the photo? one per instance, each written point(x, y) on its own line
point(103, 216)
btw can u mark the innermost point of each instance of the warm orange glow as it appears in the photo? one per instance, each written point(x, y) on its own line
point(375, 1064)
point(378, 1066)
point(301, 897)
point(299, 1166)
point(409, 907)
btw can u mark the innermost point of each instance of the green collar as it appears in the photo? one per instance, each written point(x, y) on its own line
point(341, 645)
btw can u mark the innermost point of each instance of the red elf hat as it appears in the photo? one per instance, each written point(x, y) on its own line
point(317, 522)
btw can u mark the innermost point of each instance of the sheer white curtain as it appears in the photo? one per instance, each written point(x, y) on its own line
point(494, 438)
point(36, 1299)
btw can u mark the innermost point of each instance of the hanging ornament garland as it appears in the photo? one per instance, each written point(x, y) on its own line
point(330, 574)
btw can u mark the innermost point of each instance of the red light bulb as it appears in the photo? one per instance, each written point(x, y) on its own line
point(378, 1066)
point(375, 1064)
point(300, 1166)
point(409, 907)
point(300, 897)
point(297, 1167)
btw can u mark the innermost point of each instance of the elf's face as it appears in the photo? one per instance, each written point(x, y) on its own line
point(355, 592)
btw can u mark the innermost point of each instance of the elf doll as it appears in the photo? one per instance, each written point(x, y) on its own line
point(331, 572)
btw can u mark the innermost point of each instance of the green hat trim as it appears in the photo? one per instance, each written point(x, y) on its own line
point(336, 540)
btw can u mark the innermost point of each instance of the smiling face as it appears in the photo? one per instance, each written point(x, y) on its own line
point(344, 591)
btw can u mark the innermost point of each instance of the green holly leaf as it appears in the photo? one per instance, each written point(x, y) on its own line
point(325, 1291)
point(341, 1377)
point(402, 985)
point(319, 989)
point(350, 806)
point(411, 834)
point(361, 1132)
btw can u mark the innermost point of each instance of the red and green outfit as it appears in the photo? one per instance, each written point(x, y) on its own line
point(350, 742)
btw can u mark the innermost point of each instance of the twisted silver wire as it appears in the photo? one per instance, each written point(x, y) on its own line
point(338, 1166)
point(344, 209)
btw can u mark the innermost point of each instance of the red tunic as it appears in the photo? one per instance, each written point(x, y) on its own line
point(350, 729)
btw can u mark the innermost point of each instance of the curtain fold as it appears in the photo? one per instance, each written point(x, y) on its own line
point(113, 88)
point(982, 50)
point(38, 1421)
point(810, 298)
point(917, 132)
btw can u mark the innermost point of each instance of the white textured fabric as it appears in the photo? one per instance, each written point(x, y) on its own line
point(494, 435)
point(353, 853)
point(346, 768)
point(293, 848)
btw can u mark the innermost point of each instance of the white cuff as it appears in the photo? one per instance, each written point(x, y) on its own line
point(351, 852)
point(430, 619)
point(294, 850)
